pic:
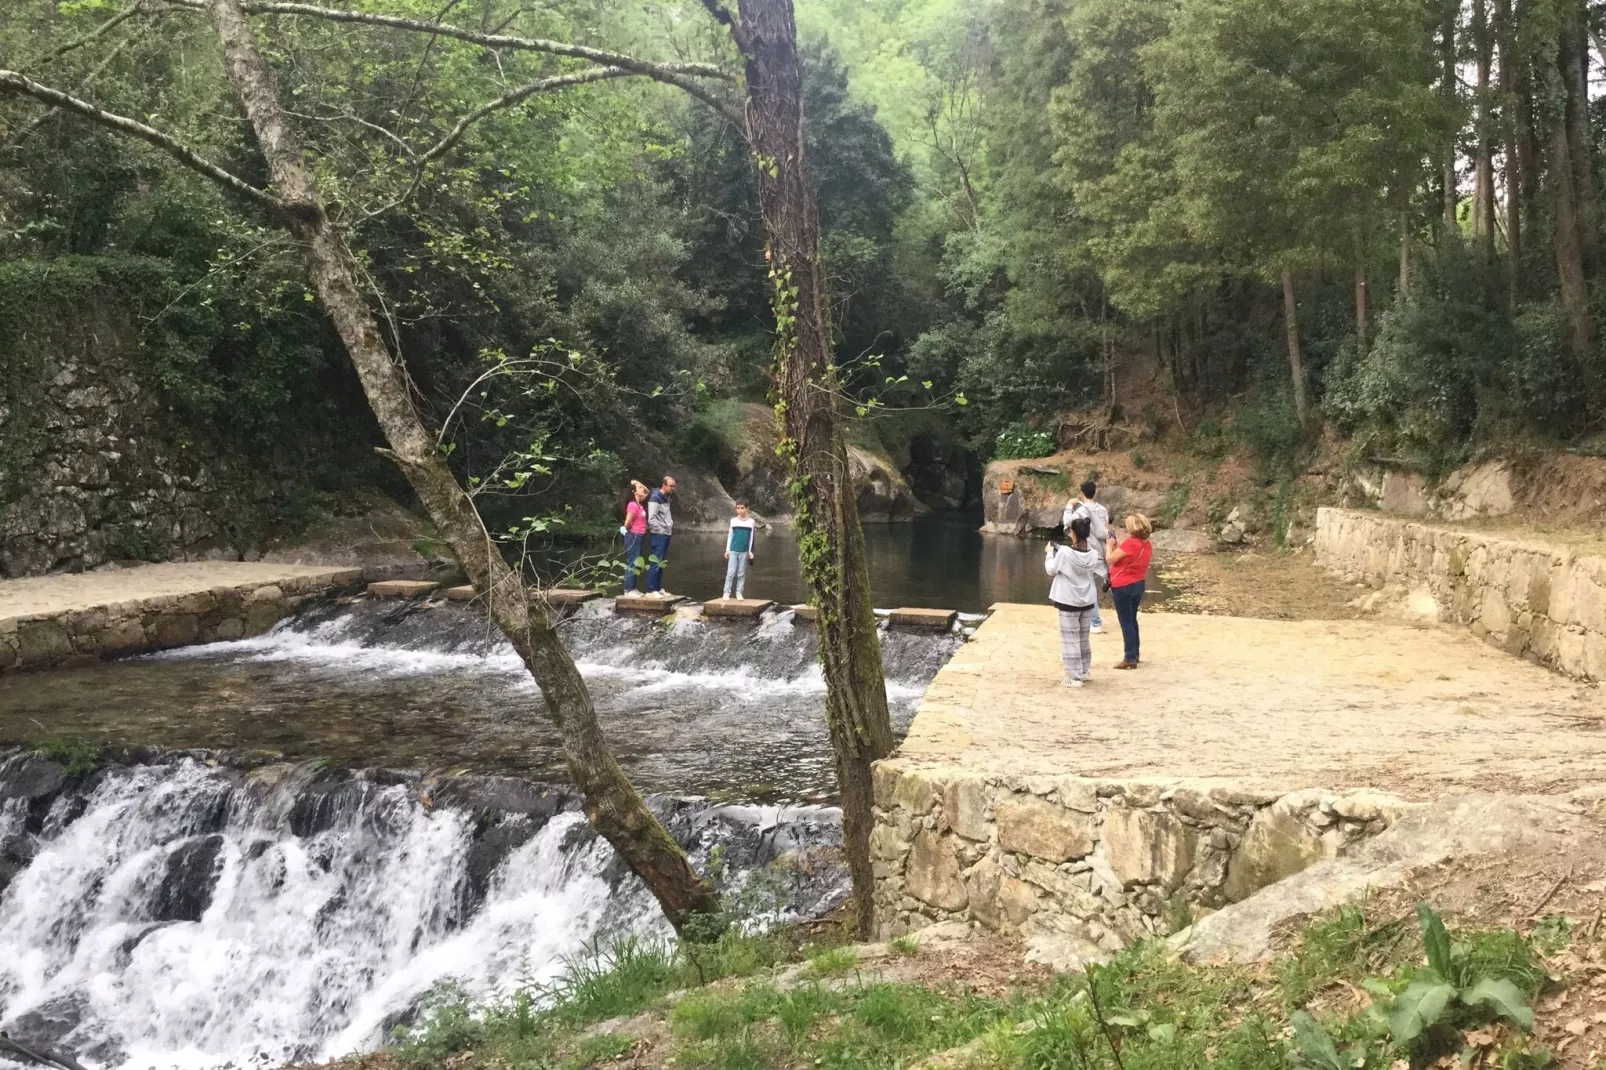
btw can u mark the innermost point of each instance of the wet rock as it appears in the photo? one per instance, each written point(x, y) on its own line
point(50, 1023)
point(31, 777)
point(188, 881)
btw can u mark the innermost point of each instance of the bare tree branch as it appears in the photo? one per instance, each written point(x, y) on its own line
point(44, 117)
point(21, 85)
point(723, 16)
point(93, 35)
point(516, 97)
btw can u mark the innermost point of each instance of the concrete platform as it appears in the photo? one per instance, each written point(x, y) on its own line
point(1239, 754)
point(746, 608)
point(1273, 705)
point(925, 620)
point(806, 613)
point(465, 593)
point(87, 616)
point(401, 588)
point(657, 607)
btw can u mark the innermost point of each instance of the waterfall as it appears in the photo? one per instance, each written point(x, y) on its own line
point(183, 913)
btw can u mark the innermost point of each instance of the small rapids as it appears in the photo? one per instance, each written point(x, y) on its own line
point(728, 709)
point(178, 912)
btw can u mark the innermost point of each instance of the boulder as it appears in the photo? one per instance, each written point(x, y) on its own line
point(1033, 826)
point(188, 881)
point(884, 495)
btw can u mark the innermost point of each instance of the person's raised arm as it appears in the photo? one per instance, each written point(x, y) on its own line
point(1116, 553)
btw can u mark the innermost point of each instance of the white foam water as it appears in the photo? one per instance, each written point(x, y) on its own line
point(309, 944)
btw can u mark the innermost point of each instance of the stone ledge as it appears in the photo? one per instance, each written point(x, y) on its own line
point(401, 588)
point(1109, 861)
point(189, 606)
point(741, 608)
point(641, 604)
point(1531, 600)
point(927, 620)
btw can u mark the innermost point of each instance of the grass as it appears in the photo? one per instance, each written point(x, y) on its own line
point(1145, 1010)
point(77, 754)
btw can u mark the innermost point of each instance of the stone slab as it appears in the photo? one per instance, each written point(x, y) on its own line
point(928, 620)
point(569, 596)
point(806, 613)
point(749, 608)
point(465, 593)
point(657, 607)
point(401, 588)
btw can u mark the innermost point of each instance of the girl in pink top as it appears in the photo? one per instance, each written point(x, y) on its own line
point(635, 533)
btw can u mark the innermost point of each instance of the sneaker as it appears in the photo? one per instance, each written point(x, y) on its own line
point(1097, 629)
point(1072, 681)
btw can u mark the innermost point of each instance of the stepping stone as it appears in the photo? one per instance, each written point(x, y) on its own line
point(805, 613)
point(735, 607)
point(401, 588)
point(636, 603)
point(465, 593)
point(926, 620)
point(569, 596)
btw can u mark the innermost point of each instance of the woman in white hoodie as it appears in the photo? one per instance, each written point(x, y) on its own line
point(1075, 569)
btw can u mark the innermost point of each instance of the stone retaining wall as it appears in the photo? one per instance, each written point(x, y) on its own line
point(1083, 867)
point(1544, 603)
point(84, 635)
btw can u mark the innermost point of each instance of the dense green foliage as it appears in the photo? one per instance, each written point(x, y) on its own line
point(1022, 200)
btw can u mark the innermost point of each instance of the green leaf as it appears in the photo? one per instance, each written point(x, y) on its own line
point(1435, 939)
point(1419, 1008)
point(926, 383)
point(1164, 1033)
point(959, 399)
point(1315, 1045)
point(1503, 997)
point(860, 409)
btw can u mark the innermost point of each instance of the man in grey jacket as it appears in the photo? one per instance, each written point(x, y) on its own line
point(660, 526)
point(1099, 518)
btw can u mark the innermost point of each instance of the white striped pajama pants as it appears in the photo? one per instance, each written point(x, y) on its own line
point(1076, 648)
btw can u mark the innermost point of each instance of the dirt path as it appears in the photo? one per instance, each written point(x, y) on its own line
point(1270, 704)
point(1269, 585)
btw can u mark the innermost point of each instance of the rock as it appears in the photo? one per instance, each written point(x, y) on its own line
point(1405, 493)
point(175, 629)
point(1277, 844)
point(1232, 533)
point(40, 642)
point(933, 872)
point(30, 776)
point(925, 620)
point(1183, 541)
point(401, 588)
point(1017, 899)
point(1032, 826)
point(1124, 501)
point(884, 496)
point(981, 885)
point(188, 881)
point(1144, 847)
point(1450, 832)
point(915, 793)
point(964, 802)
point(1063, 952)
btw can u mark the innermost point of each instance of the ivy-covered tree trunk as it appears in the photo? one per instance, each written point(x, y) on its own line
point(826, 513)
point(613, 805)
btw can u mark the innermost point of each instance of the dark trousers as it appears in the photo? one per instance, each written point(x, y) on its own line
point(635, 547)
point(1127, 599)
point(656, 560)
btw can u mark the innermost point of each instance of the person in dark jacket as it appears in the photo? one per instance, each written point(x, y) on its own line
point(660, 528)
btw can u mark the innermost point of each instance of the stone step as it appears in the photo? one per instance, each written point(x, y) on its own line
point(642, 604)
point(926, 620)
point(569, 596)
point(806, 613)
point(735, 607)
point(465, 593)
point(401, 588)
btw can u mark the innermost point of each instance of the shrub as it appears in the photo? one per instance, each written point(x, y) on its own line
point(1019, 440)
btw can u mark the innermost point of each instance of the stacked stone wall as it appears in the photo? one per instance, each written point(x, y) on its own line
point(1541, 602)
point(84, 635)
point(1087, 865)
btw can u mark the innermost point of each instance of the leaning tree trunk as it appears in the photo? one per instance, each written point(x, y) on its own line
point(826, 512)
point(613, 805)
point(1296, 362)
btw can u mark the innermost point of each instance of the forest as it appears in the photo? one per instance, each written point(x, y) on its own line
point(1377, 217)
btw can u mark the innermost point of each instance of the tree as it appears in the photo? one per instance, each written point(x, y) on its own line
point(293, 201)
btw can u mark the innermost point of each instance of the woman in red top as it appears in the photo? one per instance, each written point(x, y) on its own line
point(1129, 568)
point(635, 533)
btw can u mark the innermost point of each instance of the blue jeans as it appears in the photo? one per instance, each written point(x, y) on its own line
point(1127, 600)
point(657, 558)
point(635, 545)
point(736, 575)
point(1098, 618)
